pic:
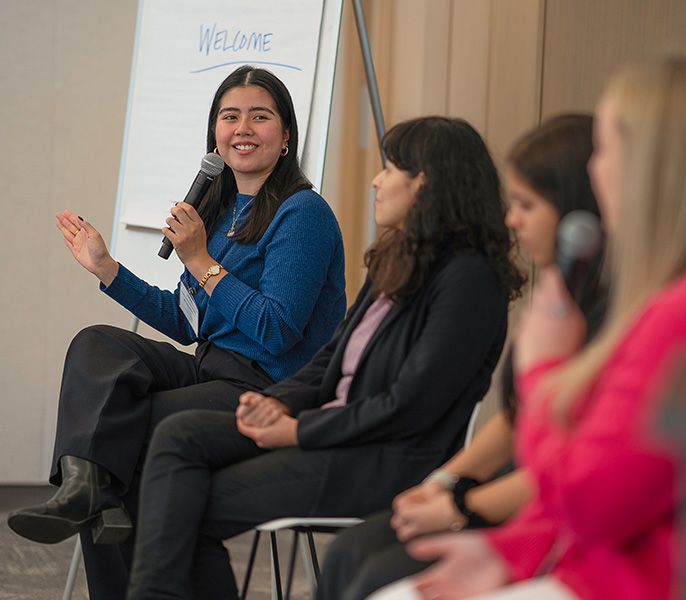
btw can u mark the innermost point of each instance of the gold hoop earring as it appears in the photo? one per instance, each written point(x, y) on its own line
point(284, 151)
point(216, 151)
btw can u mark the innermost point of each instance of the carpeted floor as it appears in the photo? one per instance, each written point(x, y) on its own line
point(31, 571)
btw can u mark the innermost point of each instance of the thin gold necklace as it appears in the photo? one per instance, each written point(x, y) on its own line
point(232, 230)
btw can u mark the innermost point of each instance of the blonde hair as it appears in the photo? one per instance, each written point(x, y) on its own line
point(648, 248)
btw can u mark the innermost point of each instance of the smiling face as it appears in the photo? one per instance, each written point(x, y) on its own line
point(533, 219)
point(250, 135)
point(396, 192)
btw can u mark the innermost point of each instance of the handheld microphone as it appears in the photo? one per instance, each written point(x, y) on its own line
point(579, 238)
point(211, 165)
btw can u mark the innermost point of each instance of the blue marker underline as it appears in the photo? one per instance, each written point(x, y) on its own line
point(250, 62)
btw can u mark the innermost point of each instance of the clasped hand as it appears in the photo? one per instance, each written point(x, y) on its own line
point(467, 564)
point(266, 421)
point(425, 508)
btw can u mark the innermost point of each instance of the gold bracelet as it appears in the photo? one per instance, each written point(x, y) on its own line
point(213, 270)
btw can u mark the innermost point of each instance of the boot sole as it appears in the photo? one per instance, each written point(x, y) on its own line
point(45, 529)
point(111, 526)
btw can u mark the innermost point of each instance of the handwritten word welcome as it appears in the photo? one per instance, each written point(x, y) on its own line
point(214, 40)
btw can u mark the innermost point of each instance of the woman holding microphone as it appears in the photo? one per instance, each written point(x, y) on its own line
point(261, 292)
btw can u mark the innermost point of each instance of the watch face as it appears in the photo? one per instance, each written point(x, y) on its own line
point(214, 269)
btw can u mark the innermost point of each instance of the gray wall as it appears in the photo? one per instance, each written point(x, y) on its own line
point(64, 85)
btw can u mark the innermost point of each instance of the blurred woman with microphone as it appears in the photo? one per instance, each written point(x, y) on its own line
point(602, 521)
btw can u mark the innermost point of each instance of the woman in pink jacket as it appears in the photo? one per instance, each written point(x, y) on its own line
point(602, 523)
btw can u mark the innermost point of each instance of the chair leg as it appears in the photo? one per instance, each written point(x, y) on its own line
point(276, 571)
point(313, 555)
point(307, 549)
point(309, 555)
point(73, 570)
point(291, 564)
point(250, 565)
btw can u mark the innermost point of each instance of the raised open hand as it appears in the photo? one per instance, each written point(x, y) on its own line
point(87, 246)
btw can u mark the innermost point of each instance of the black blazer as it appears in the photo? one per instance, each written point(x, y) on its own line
point(422, 372)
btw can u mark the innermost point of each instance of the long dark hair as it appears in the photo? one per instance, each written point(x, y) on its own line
point(553, 159)
point(458, 208)
point(286, 178)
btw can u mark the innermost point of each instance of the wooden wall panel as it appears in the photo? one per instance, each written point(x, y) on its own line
point(468, 69)
point(585, 40)
point(419, 64)
point(514, 85)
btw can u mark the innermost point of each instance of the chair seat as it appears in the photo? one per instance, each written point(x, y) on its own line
point(298, 525)
point(311, 522)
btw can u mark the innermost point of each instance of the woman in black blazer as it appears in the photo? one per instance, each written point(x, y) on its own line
point(382, 404)
point(546, 178)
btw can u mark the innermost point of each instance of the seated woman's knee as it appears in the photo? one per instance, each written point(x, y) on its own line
point(178, 430)
point(93, 334)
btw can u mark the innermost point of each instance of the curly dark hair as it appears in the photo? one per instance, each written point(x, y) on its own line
point(458, 208)
point(287, 176)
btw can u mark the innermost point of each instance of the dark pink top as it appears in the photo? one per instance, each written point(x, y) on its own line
point(603, 519)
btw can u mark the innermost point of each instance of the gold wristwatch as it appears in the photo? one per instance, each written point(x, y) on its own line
point(212, 271)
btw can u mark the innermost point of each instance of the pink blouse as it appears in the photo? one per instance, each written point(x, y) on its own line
point(357, 342)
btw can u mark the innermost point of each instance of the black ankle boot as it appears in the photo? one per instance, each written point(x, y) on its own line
point(85, 498)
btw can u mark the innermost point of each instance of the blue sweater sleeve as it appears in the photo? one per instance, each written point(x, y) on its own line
point(298, 250)
point(158, 308)
point(280, 301)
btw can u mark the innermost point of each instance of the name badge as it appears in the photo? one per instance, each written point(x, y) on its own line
point(189, 308)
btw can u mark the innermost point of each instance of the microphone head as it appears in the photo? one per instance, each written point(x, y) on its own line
point(212, 164)
point(579, 236)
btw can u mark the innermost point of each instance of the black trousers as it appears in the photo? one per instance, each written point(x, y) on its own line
point(116, 387)
point(365, 558)
point(204, 482)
